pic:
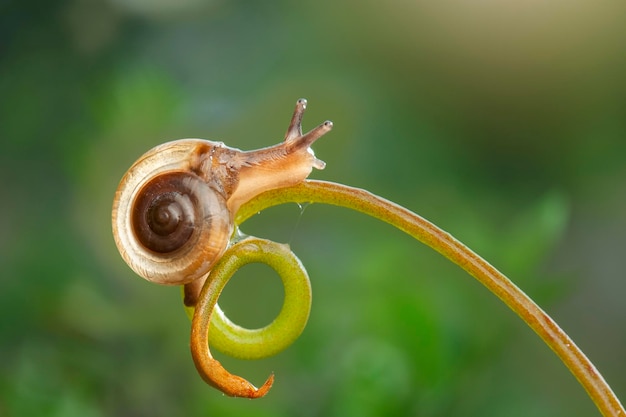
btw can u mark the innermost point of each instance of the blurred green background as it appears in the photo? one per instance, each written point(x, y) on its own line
point(502, 122)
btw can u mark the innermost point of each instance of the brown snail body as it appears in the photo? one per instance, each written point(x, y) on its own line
point(174, 208)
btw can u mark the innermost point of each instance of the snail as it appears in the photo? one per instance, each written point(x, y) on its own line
point(173, 212)
point(174, 224)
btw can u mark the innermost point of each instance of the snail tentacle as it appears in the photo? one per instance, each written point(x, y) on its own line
point(295, 126)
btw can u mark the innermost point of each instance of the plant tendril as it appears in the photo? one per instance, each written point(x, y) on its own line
point(248, 343)
point(311, 191)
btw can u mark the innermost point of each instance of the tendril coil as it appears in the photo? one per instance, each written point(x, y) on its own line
point(311, 191)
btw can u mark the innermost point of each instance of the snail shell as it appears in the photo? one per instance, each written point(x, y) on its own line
point(173, 210)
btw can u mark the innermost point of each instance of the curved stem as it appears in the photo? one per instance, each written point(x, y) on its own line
point(240, 342)
point(243, 343)
point(421, 229)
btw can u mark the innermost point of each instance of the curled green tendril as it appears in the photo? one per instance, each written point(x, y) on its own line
point(360, 200)
point(243, 343)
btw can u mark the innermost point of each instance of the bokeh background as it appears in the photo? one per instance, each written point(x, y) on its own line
point(504, 122)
